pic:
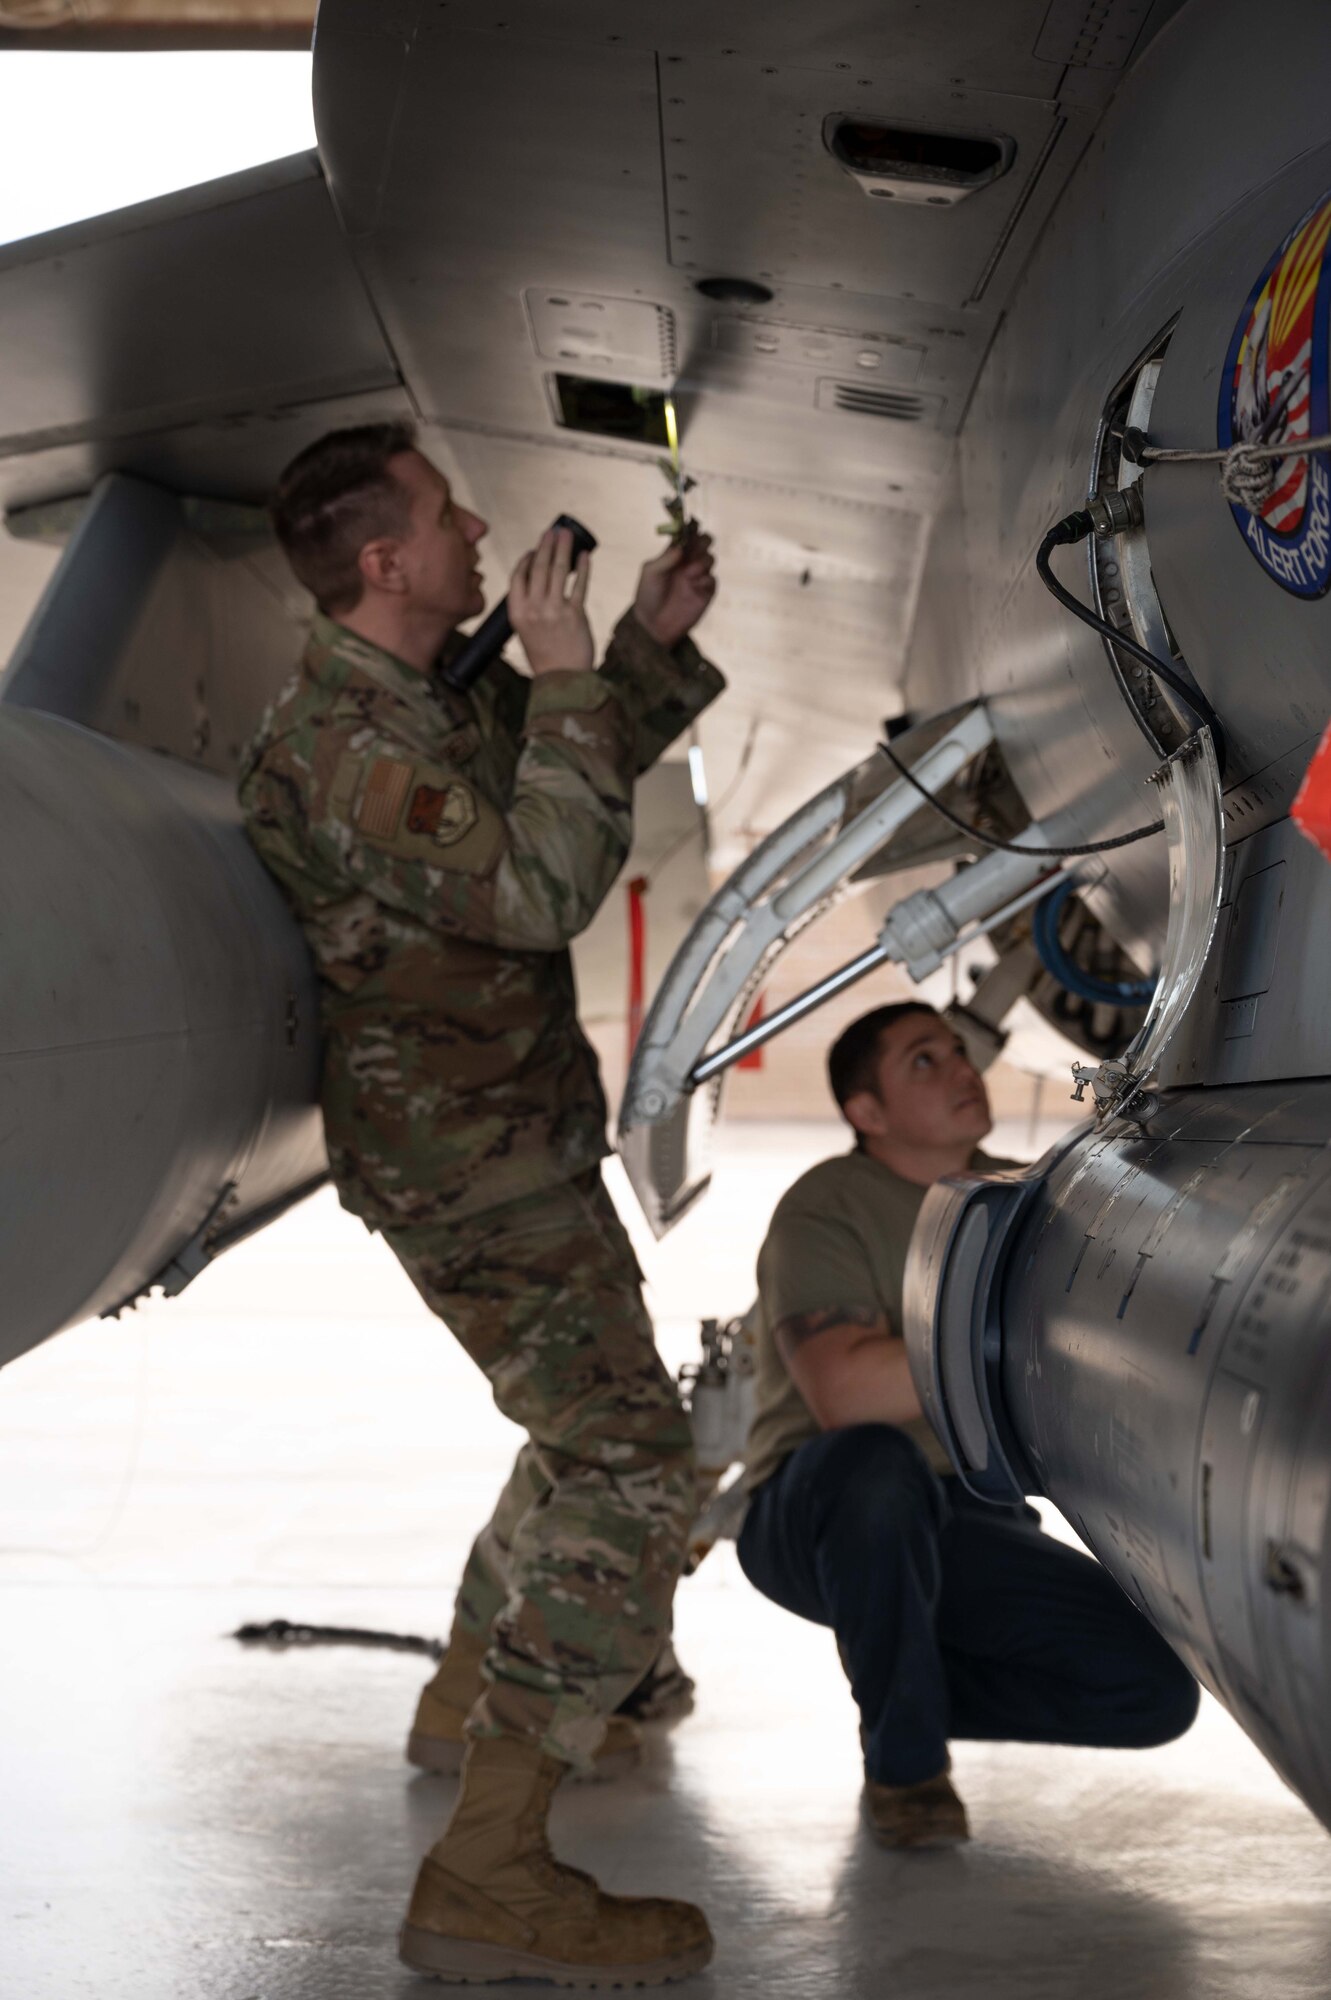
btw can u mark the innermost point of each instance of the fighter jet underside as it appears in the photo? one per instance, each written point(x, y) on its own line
point(917, 285)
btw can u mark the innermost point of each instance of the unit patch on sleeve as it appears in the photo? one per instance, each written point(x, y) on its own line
point(442, 813)
point(383, 797)
point(1275, 390)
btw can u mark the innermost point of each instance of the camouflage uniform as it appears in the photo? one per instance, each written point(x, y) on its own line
point(440, 851)
point(488, 1576)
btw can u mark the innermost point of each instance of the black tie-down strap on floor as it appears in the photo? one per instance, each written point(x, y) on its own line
point(279, 1633)
point(664, 1693)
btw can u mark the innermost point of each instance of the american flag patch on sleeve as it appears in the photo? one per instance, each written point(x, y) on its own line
point(383, 797)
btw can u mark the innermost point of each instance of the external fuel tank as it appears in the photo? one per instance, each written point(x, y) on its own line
point(159, 1034)
point(1137, 1328)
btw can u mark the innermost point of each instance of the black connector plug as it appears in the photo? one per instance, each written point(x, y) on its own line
point(1072, 528)
point(1118, 511)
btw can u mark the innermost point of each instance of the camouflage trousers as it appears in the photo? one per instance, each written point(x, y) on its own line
point(587, 1541)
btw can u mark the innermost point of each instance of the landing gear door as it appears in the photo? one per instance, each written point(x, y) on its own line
point(666, 1124)
point(669, 1164)
point(859, 826)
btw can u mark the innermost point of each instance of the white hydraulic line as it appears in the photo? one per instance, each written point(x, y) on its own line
point(920, 932)
point(784, 1017)
point(687, 1012)
point(924, 929)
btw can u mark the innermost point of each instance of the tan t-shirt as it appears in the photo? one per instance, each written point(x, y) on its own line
point(838, 1237)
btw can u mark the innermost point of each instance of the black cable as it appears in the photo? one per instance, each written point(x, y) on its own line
point(1012, 846)
point(1075, 528)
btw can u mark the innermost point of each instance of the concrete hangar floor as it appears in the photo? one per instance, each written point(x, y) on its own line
point(187, 1819)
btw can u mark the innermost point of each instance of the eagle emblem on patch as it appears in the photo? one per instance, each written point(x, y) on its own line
point(442, 813)
point(1276, 390)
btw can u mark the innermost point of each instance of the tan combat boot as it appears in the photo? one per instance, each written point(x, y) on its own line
point(436, 1742)
point(925, 1815)
point(492, 1903)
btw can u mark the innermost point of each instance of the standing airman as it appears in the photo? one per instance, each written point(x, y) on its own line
point(441, 850)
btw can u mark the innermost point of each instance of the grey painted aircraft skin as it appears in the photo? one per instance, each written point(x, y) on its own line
point(880, 444)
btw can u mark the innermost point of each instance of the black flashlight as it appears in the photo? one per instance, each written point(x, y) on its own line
point(490, 637)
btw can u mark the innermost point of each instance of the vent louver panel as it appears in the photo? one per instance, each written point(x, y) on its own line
point(895, 404)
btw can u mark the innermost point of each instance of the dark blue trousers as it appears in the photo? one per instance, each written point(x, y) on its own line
point(954, 1617)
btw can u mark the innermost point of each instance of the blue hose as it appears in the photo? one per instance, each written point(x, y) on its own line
point(1085, 985)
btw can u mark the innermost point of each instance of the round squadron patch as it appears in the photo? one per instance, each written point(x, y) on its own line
point(1275, 389)
point(442, 813)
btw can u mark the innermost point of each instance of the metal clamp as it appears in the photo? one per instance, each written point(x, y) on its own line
point(1116, 1090)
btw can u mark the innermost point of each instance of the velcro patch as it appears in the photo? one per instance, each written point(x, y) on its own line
point(442, 813)
point(383, 797)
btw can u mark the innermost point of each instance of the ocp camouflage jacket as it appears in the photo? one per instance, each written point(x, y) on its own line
point(440, 851)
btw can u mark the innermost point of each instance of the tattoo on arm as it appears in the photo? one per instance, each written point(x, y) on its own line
point(792, 1332)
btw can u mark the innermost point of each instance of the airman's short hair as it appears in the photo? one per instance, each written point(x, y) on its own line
point(852, 1060)
point(333, 498)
